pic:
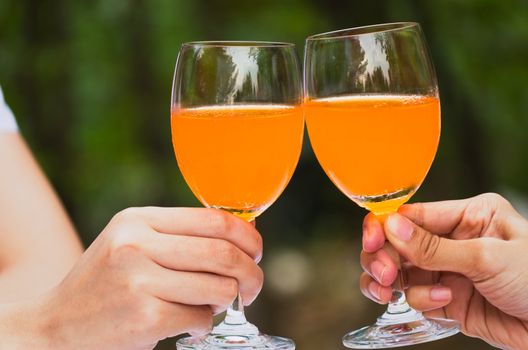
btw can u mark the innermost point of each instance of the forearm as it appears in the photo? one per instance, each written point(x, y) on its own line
point(21, 327)
point(38, 242)
point(27, 279)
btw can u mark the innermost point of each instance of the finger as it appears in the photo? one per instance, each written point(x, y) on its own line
point(202, 222)
point(434, 253)
point(468, 218)
point(190, 288)
point(437, 217)
point(436, 313)
point(415, 276)
point(426, 298)
point(180, 318)
point(462, 294)
point(380, 266)
point(373, 235)
point(216, 256)
point(373, 290)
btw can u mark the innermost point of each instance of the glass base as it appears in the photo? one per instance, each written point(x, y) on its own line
point(233, 336)
point(235, 342)
point(391, 331)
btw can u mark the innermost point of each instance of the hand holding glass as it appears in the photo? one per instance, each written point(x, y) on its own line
point(373, 117)
point(237, 128)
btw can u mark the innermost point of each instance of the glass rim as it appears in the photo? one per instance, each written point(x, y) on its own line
point(236, 43)
point(359, 31)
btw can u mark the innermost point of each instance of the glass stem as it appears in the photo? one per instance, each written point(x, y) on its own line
point(235, 312)
point(235, 323)
point(398, 303)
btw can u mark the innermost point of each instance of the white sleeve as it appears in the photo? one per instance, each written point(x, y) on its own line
point(7, 119)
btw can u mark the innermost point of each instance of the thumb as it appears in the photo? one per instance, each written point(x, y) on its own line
point(431, 252)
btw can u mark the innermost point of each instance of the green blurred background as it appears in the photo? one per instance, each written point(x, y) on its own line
point(90, 83)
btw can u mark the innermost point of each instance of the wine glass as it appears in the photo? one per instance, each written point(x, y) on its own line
point(237, 128)
point(373, 116)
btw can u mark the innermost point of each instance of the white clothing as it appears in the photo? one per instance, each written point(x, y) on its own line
point(7, 119)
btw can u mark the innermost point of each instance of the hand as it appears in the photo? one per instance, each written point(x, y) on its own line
point(151, 274)
point(465, 260)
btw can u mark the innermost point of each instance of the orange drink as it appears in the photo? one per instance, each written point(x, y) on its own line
point(373, 116)
point(377, 149)
point(237, 127)
point(238, 157)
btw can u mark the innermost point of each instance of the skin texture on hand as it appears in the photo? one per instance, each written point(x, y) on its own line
point(151, 274)
point(464, 260)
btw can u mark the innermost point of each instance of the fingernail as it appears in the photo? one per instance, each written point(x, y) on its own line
point(373, 290)
point(378, 270)
point(440, 294)
point(399, 226)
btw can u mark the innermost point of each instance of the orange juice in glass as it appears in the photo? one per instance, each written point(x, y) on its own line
point(377, 149)
point(373, 116)
point(238, 158)
point(237, 127)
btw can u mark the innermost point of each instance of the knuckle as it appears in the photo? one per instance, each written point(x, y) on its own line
point(476, 218)
point(494, 201)
point(251, 285)
point(151, 314)
point(419, 214)
point(484, 261)
point(123, 238)
point(481, 214)
point(482, 254)
point(364, 280)
point(258, 280)
point(229, 287)
point(137, 284)
point(126, 215)
point(227, 254)
point(126, 230)
point(219, 221)
point(260, 244)
point(428, 246)
point(123, 243)
point(492, 197)
point(363, 259)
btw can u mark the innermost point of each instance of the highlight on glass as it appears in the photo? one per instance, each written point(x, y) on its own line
point(237, 128)
point(373, 116)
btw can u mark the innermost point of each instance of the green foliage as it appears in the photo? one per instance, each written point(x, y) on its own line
point(90, 83)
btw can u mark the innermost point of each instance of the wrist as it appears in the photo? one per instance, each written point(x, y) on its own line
point(18, 327)
point(27, 325)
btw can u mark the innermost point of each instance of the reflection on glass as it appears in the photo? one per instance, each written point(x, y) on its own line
point(373, 116)
point(237, 127)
